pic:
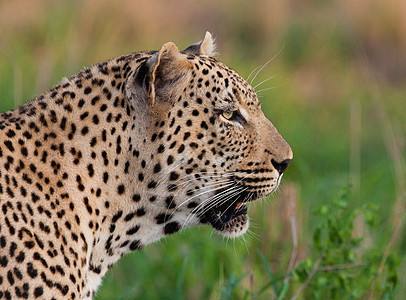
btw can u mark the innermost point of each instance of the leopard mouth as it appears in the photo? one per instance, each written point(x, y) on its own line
point(228, 213)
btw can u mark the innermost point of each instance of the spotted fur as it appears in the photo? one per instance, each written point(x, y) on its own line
point(120, 155)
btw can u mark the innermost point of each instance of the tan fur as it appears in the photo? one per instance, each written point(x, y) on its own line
point(122, 154)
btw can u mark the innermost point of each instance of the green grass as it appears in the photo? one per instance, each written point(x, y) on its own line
point(318, 78)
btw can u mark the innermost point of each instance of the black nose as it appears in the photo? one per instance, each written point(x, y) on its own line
point(282, 166)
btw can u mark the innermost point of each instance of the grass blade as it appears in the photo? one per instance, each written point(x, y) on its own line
point(179, 281)
point(269, 271)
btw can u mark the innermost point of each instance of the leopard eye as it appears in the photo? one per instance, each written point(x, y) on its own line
point(228, 114)
point(234, 116)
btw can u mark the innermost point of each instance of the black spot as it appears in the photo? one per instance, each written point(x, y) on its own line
point(10, 133)
point(127, 166)
point(121, 189)
point(172, 145)
point(129, 217)
point(140, 212)
point(93, 142)
point(24, 151)
point(170, 204)
point(18, 273)
point(105, 177)
point(31, 271)
point(90, 170)
point(136, 197)
point(152, 185)
point(95, 120)
point(133, 230)
point(9, 145)
point(174, 176)
point(10, 278)
point(171, 227)
point(81, 103)
point(3, 261)
point(38, 291)
point(135, 245)
point(163, 218)
point(170, 160)
point(63, 123)
point(29, 244)
point(84, 116)
point(95, 99)
point(157, 168)
point(161, 148)
point(172, 187)
point(192, 205)
point(95, 269)
point(181, 148)
point(117, 216)
point(85, 130)
point(81, 187)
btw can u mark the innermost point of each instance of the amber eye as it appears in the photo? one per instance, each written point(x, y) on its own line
point(228, 114)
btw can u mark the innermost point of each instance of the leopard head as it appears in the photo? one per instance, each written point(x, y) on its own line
point(207, 148)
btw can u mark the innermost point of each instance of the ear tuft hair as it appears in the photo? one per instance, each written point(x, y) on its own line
point(205, 47)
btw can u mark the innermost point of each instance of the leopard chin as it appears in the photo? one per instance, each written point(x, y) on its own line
point(237, 226)
point(229, 216)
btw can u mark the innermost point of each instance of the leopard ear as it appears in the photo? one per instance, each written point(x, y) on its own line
point(159, 74)
point(205, 47)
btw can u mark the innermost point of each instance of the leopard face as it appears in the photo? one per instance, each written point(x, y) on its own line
point(122, 154)
point(215, 149)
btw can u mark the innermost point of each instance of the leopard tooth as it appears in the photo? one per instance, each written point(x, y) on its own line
point(241, 204)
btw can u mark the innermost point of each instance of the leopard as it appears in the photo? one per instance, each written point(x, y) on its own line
point(122, 154)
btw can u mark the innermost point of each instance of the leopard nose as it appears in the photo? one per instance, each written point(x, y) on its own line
point(281, 166)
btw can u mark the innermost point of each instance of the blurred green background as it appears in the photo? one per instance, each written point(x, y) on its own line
point(335, 88)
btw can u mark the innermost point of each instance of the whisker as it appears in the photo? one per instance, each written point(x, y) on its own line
point(252, 72)
point(162, 177)
point(280, 50)
point(263, 81)
point(230, 192)
point(266, 89)
point(193, 178)
point(232, 203)
point(217, 187)
point(183, 187)
point(201, 177)
point(211, 200)
point(239, 190)
point(202, 193)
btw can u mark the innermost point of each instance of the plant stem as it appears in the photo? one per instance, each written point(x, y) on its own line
point(387, 250)
point(314, 271)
